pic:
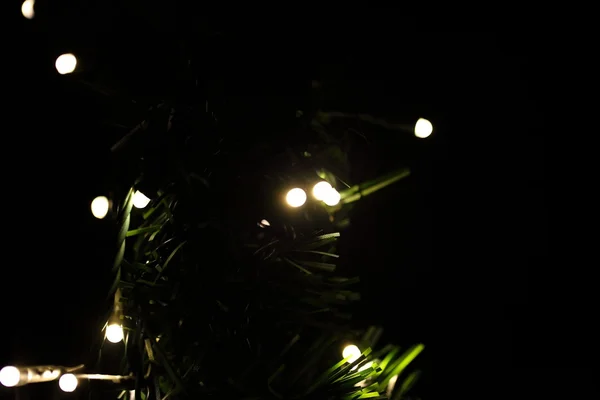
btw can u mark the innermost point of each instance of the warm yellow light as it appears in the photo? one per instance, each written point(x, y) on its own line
point(65, 63)
point(365, 366)
point(10, 376)
point(68, 383)
point(391, 384)
point(351, 351)
point(264, 223)
point(100, 207)
point(114, 333)
point(320, 190)
point(140, 200)
point(27, 9)
point(332, 197)
point(296, 197)
point(423, 128)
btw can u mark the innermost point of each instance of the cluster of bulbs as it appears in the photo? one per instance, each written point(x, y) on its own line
point(101, 205)
point(11, 376)
point(322, 191)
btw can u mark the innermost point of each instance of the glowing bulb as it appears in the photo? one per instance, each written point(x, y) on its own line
point(320, 190)
point(296, 197)
point(27, 9)
point(68, 383)
point(114, 333)
point(351, 351)
point(65, 63)
point(264, 223)
point(423, 128)
point(140, 200)
point(10, 376)
point(332, 197)
point(100, 207)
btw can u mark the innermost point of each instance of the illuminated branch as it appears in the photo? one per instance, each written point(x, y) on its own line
point(356, 192)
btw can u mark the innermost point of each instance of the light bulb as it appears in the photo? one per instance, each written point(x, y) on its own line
point(65, 63)
point(296, 197)
point(264, 223)
point(140, 200)
point(68, 383)
point(320, 190)
point(100, 207)
point(351, 351)
point(423, 128)
point(27, 9)
point(332, 197)
point(10, 376)
point(114, 333)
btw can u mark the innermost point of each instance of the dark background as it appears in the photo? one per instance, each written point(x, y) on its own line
point(457, 248)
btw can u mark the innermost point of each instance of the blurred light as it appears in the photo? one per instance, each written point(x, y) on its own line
point(65, 63)
point(132, 395)
point(391, 384)
point(351, 351)
point(423, 128)
point(296, 197)
point(332, 197)
point(140, 200)
point(68, 383)
point(27, 9)
point(10, 376)
point(263, 223)
point(365, 366)
point(114, 333)
point(100, 207)
point(320, 190)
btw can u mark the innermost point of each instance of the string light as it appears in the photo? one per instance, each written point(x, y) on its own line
point(423, 128)
point(27, 9)
point(100, 206)
point(114, 333)
point(332, 197)
point(140, 200)
point(320, 190)
point(68, 383)
point(264, 223)
point(66, 63)
point(296, 197)
point(18, 376)
point(10, 376)
point(351, 351)
point(326, 193)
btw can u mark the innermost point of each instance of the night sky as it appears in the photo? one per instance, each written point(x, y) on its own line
point(452, 252)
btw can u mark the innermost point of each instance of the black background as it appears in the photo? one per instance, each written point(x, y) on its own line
point(460, 248)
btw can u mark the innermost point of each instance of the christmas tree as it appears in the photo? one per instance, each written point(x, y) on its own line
point(216, 298)
point(226, 275)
